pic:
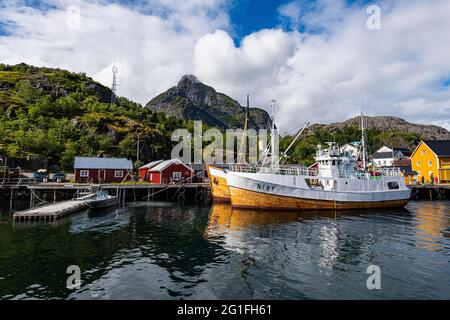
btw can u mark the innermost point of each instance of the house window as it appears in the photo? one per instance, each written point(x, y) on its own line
point(418, 163)
point(176, 176)
point(430, 163)
point(118, 174)
point(423, 152)
point(84, 173)
point(151, 176)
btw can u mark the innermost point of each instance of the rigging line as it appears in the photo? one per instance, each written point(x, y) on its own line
point(292, 129)
point(175, 184)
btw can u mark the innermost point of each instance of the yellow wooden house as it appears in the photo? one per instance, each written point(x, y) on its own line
point(432, 158)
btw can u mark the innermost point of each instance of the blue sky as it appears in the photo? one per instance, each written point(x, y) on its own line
point(249, 16)
point(316, 57)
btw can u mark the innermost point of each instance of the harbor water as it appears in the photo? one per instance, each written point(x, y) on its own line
point(162, 250)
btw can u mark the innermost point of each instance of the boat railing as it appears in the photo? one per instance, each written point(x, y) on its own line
point(325, 173)
point(277, 169)
point(391, 172)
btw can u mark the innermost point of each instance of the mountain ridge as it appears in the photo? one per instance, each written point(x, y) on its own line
point(390, 123)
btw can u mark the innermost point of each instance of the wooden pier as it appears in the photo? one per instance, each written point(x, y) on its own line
point(52, 201)
point(430, 192)
point(51, 212)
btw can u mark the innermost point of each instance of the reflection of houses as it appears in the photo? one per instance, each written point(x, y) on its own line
point(385, 156)
point(102, 170)
point(352, 148)
point(168, 171)
point(432, 157)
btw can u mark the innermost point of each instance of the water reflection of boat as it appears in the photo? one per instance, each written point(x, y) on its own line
point(225, 218)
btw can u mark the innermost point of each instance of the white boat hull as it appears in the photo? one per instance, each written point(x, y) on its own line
point(250, 190)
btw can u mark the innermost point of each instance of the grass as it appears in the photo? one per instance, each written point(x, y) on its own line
point(10, 77)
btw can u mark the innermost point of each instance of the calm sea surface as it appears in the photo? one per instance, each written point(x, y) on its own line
point(168, 251)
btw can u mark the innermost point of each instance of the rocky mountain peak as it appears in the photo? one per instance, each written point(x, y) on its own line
point(188, 80)
point(191, 99)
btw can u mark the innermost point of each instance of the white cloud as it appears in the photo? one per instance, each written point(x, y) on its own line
point(318, 75)
point(151, 51)
point(322, 76)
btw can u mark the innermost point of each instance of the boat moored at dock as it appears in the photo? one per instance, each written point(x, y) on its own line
point(101, 200)
point(336, 184)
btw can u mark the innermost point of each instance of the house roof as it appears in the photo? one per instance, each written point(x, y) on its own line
point(405, 151)
point(382, 155)
point(197, 166)
point(401, 149)
point(102, 163)
point(440, 147)
point(164, 164)
point(407, 170)
point(151, 164)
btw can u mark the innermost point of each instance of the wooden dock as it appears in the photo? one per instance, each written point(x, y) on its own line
point(430, 191)
point(51, 212)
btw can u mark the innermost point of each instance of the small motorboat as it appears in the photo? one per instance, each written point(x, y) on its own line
point(102, 199)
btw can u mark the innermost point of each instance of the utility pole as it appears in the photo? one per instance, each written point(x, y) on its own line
point(138, 147)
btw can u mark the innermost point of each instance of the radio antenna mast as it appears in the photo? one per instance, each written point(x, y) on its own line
point(114, 85)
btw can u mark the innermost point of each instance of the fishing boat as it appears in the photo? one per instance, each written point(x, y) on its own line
point(337, 183)
point(101, 200)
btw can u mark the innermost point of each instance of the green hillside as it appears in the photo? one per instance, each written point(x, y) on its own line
point(49, 115)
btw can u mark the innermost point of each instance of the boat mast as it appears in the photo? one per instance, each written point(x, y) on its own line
point(363, 136)
point(241, 153)
point(273, 159)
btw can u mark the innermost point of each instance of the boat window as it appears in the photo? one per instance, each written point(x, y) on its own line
point(393, 185)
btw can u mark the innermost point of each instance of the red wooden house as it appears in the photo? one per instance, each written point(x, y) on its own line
point(143, 171)
point(169, 171)
point(102, 170)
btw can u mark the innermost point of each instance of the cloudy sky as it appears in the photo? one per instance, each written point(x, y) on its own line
point(316, 58)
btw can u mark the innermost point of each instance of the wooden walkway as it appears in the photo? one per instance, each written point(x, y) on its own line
point(51, 212)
